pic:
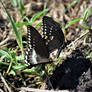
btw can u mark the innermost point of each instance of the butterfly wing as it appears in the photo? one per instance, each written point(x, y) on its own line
point(37, 52)
point(52, 34)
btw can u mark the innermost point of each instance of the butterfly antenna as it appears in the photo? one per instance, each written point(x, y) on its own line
point(47, 76)
point(59, 51)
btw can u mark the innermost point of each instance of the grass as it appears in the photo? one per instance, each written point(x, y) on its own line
point(84, 17)
point(10, 54)
point(9, 60)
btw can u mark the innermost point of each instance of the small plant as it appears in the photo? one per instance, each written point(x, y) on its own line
point(9, 59)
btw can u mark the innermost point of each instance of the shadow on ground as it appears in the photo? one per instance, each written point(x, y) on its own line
point(74, 74)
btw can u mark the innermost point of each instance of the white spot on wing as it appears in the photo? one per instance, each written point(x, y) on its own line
point(34, 57)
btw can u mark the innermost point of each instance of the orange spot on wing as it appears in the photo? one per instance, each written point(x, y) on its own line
point(52, 37)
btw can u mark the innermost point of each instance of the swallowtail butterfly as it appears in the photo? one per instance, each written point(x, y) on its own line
point(39, 48)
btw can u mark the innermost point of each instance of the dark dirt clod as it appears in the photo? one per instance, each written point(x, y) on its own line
point(73, 73)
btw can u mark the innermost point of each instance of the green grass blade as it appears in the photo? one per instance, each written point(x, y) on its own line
point(38, 24)
point(4, 63)
point(6, 54)
point(21, 6)
point(18, 36)
point(14, 2)
point(72, 22)
point(87, 13)
point(18, 66)
point(73, 3)
point(37, 15)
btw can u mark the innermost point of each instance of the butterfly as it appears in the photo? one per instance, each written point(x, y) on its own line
point(52, 34)
point(37, 52)
point(39, 48)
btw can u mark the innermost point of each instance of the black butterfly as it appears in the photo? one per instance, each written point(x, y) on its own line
point(52, 34)
point(38, 48)
point(37, 52)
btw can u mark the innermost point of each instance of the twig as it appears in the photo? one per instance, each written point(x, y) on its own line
point(1, 90)
point(4, 41)
point(78, 39)
point(10, 65)
point(72, 46)
point(40, 90)
point(3, 80)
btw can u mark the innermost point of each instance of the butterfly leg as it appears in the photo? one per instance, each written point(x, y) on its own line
point(47, 76)
point(59, 51)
